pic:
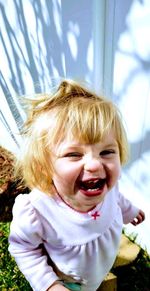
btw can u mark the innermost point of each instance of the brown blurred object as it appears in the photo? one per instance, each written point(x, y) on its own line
point(109, 283)
point(9, 186)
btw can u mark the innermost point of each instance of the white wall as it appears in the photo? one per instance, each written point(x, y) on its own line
point(132, 94)
point(42, 41)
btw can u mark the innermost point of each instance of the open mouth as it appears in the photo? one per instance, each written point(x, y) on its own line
point(92, 187)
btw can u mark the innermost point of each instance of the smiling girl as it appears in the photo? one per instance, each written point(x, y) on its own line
point(66, 232)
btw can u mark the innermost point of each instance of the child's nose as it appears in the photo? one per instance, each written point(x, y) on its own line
point(93, 165)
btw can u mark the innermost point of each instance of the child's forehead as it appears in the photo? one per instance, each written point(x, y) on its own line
point(70, 141)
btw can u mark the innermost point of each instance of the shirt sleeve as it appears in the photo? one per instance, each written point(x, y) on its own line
point(129, 211)
point(25, 241)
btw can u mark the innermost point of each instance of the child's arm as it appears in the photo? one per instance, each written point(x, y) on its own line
point(130, 213)
point(25, 240)
point(74, 286)
point(57, 287)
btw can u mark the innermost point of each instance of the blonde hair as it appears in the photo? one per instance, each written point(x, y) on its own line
point(73, 110)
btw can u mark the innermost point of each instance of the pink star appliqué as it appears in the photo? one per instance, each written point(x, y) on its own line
point(95, 215)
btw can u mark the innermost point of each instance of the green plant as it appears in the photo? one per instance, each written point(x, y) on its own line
point(11, 279)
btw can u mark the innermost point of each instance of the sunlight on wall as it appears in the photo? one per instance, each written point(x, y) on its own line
point(90, 56)
point(72, 36)
point(42, 42)
point(57, 18)
point(7, 139)
point(132, 90)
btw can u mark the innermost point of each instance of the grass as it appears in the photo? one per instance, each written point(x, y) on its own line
point(134, 277)
point(11, 279)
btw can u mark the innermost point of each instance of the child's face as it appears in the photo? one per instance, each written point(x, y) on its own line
point(85, 173)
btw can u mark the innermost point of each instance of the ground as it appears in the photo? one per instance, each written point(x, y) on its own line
point(10, 187)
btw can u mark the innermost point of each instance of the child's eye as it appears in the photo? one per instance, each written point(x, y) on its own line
point(107, 152)
point(73, 154)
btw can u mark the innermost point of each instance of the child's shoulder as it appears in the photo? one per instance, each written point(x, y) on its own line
point(27, 200)
point(22, 207)
point(21, 201)
point(25, 223)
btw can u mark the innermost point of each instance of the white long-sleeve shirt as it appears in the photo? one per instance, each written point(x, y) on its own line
point(82, 245)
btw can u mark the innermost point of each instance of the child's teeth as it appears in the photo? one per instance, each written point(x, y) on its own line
point(93, 189)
